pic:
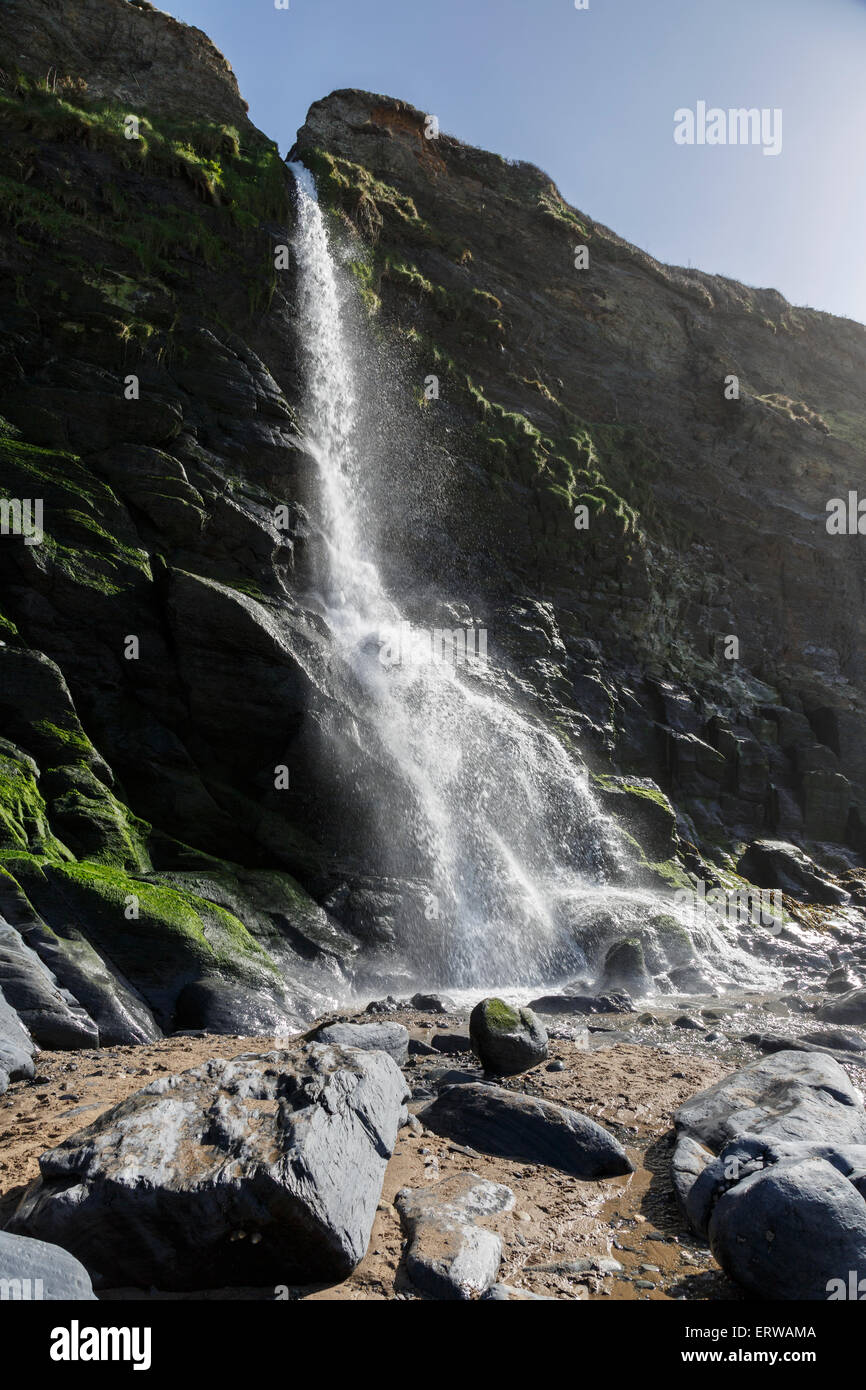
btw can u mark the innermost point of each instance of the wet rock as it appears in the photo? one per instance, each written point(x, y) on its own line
point(419, 1048)
point(231, 1007)
point(625, 968)
point(847, 1008)
point(433, 1003)
point(617, 1003)
point(789, 1095)
point(506, 1040)
point(392, 1038)
point(388, 1005)
point(497, 1121)
point(841, 981)
point(288, 1149)
point(51, 1015)
point(685, 1022)
point(34, 1270)
point(776, 864)
point(449, 1254)
point(17, 1048)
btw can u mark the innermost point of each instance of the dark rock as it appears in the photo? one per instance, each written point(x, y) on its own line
point(790, 1231)
point(419, 1048)
point(842, 1039)
point(388, 1005)
point(617, 1003)
point(506, 1040)
point(255, 1171)
point(392, 1038)
point(16, 1047)
point(847, 1008)
point(34, 1270)
point(452, 1044)
point(776, 864)
point(50, 1014)
point(449, 1255)
point(685, 1022)
point(625, 968)
point(433, 1003)
point(502, 1122)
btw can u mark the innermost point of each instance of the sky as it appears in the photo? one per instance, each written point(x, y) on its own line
point(590, 96)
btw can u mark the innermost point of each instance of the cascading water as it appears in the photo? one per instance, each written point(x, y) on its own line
point(498, 821)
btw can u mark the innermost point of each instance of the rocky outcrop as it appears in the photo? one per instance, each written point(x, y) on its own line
point(257, 1171)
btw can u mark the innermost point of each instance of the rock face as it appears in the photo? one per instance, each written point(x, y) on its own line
point(449, 1255)
point(16, 1047)
point(506, 1040)
point(31, 1269)
point(536, 1131)
point(262, 1170)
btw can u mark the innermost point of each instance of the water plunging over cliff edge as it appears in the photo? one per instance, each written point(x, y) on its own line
point(510, 844)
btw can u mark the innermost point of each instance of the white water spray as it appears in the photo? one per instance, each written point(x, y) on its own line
point(497, 819)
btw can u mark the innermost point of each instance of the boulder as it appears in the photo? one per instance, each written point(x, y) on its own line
point(261, 1170)
point(616, 1003)
point(501, 1122)
point(32, 1269)
point(506, 1040)
point(392, 1038)
point(625, 968)
point(433, 1003)
point(789, 1095)
point(449, 1254)
point(846, 1008)
point(790, 1231)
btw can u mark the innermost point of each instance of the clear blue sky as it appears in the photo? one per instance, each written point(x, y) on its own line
point(590, 97)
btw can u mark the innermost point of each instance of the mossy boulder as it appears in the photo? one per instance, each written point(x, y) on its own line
point(625, 967)
point(642, 808)
point(506, 1040)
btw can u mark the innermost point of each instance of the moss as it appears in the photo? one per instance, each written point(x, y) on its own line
point(175, 933)
point(500, 1017)
point(24, 825)
point(93, 823)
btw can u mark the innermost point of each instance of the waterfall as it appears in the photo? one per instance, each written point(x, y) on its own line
point(496, 816)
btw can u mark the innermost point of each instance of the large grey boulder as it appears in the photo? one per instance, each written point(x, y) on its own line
point(262, 1170)
point(790, 1230)
point(33, 1270)
point(50, 1014)
point(16, 1047)
point(502, 1122)
point(506, 1040)
point(449, 1255)
point(392, 1038)
point(789, 1095)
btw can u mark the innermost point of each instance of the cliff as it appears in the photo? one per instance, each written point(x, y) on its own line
point(150, 386)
